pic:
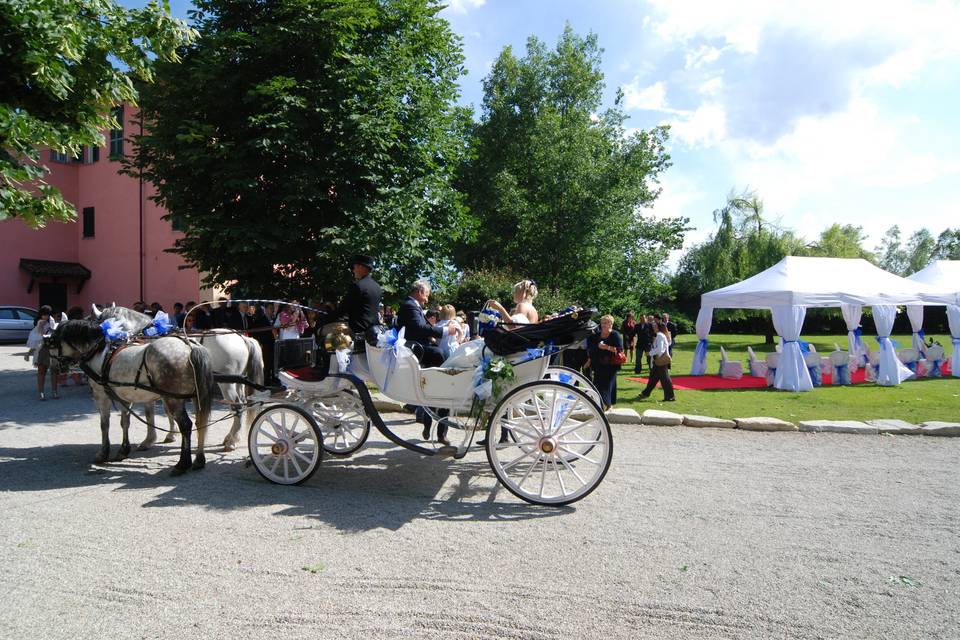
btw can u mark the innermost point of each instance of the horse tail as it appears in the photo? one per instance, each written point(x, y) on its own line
point(254, 361)
point(203, 377)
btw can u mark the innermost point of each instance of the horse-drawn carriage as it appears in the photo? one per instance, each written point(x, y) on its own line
point(547, 439)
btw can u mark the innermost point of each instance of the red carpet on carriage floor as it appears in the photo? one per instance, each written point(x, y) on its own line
point(703, 383)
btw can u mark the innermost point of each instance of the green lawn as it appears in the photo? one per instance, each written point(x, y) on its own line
point(914, 400)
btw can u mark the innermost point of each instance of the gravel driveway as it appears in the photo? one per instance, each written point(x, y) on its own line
point(693, 534)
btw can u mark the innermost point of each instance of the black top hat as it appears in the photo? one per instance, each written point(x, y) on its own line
point(362, 260)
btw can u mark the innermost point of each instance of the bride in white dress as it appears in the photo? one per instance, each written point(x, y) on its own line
point(523, 312)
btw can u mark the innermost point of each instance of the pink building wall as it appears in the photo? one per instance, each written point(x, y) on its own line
point(113, 253)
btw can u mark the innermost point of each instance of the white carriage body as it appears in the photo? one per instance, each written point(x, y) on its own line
point(404, 380)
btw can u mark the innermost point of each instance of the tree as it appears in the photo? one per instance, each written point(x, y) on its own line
point(58, 84)
point(298, 132)
point(744, 244)
point(556, 184)
point(840, 241)
point(891, 254)
point(948, 245)
point(920, 249)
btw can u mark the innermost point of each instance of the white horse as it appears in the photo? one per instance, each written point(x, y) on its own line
point(231, 354)
point(169, 369)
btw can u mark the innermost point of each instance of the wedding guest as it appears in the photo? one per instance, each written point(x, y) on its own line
point(628, 330)
point(603, 349)
point(41, 354)
point(660, 371)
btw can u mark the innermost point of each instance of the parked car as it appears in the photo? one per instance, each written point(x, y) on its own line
point(16, 323)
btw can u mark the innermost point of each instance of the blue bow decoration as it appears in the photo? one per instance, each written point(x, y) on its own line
point(161, 325)
point(482, 387)
point(113, 330)
point(565, 378)
point(343, 360)
point(396, 346)
point(841, 374)
point(892, 342)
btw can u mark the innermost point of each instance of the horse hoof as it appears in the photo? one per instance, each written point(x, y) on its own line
point(146, 444)
point(101, 458)
point(119, 458)
point(170, 438)
point(229, 445)
point(199, 464)
point(177, 471)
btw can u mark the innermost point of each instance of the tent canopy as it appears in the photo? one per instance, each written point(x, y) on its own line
point(943, 274)
point(825, 282)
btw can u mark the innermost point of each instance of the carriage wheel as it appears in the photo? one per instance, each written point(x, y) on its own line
point(582, 382)
point(548, 425)
point(285, 444)
point(342, 421)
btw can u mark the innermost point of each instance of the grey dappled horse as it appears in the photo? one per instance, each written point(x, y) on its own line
point(231, 353)
point(172, 369)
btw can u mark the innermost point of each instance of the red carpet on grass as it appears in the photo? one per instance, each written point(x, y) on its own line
point(703, 383)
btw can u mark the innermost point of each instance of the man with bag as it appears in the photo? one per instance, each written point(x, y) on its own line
point(660, 371)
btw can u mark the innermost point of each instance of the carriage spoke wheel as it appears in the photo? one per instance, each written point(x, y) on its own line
point(285, 444)
point(558, 446)
point(342, 421)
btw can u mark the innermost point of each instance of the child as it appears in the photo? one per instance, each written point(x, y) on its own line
point(449, 342)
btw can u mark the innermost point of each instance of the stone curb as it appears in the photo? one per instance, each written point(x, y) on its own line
point(660, 418)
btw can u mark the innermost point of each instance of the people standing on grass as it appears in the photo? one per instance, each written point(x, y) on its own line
point(660, 369)
point(603, 351)
point(628, 331)
point(644, 340)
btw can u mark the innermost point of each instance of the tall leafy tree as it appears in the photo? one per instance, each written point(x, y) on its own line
point(744, 244)
point(948, 245)
point(63, 65)
point(298, 132)
point(840, 241)
point(557, 185)
point(904, 259)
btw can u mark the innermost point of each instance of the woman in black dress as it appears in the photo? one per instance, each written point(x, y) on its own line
point(603, 348)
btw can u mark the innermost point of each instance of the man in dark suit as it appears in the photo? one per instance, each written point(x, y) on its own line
point(361, 305)
point(411, 318)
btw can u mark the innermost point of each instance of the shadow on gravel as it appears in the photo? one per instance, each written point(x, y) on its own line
point(380, 487)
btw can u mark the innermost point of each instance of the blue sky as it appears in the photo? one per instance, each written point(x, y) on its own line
point(832, 110)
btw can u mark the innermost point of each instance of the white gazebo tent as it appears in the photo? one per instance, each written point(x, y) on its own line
point(792, 285)
point(943, 274)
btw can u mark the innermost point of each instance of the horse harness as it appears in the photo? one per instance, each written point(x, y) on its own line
point(103, 378)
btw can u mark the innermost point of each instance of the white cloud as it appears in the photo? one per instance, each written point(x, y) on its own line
point(652, 98)
point(711, 87)
point(702, 56)
point(704, 127)
point(915, 32)
point(463, 6)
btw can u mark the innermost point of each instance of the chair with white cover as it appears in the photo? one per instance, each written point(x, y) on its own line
point(728, 368)
point(758, 368)
point(840, 367)
point(812, 360)
point(909, 358)
point(873, 365)
point(932, 364)
point(773, 361)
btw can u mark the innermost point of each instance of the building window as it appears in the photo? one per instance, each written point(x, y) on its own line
point(91, 154)
point(56, 156)
point(89, 222)
point(116, 135)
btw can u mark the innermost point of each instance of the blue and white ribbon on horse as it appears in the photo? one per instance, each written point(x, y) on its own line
point(161, 325)
point(113, 330)
point(396, 347)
